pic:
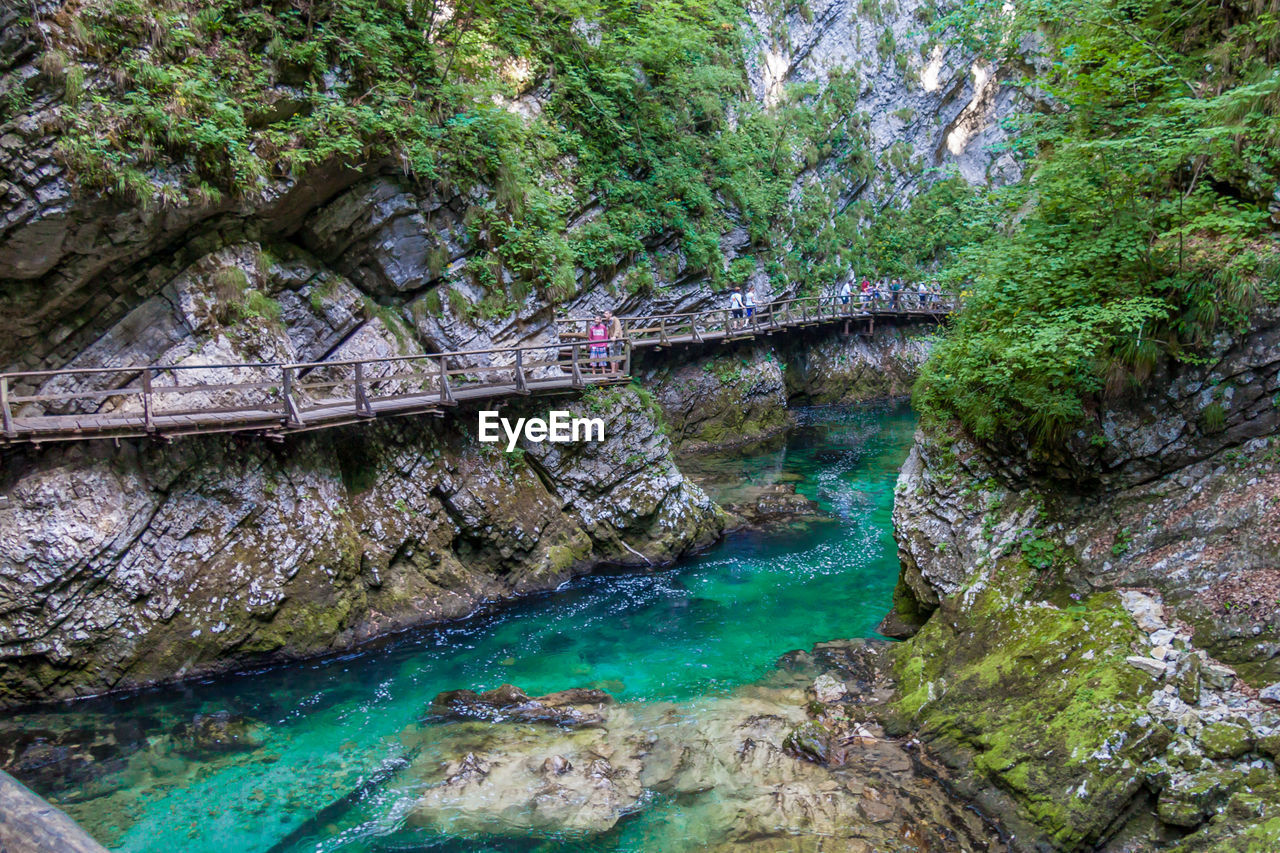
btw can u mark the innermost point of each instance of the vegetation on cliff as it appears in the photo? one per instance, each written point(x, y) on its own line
point(584, 133)
point(1143, 225)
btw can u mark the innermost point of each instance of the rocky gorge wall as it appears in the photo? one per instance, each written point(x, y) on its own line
point(143, 562)
point(1095, 635)
point(740, 394)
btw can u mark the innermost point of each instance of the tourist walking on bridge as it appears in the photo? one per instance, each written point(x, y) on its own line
point(598, 335)
point(749, 301)
point(735, 307)
point(615, 341)
point(845, 292)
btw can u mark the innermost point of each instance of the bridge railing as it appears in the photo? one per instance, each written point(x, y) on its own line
point(81, 402)
point(719, 323)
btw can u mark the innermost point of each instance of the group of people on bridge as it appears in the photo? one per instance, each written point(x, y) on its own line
point(605, 333)
point(869, 294)
point(890, 291)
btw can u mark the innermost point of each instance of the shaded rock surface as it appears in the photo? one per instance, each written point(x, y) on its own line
point(730, 397)
point(1092, 630)
point(137, 564)
point(842, 369)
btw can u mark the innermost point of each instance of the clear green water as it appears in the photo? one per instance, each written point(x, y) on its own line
point(713, 623)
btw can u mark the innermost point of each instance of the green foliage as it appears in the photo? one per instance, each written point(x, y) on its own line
point(1142, 226)
point(258, 306)
point(208, 102)
point(1213, 417)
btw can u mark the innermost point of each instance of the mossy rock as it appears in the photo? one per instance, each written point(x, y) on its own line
point(1226, 740)
point(1249, 823)
point(811, 741)
point(1035, 700)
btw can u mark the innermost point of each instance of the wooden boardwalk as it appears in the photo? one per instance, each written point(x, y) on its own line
point(273, 399)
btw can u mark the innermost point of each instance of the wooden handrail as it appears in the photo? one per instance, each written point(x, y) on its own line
point(291, 396)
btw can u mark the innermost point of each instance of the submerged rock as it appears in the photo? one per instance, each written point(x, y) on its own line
point(213, 734)
point(508, 703)
point(751, 770)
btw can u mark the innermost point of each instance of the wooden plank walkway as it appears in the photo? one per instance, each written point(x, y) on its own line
point(273, 399)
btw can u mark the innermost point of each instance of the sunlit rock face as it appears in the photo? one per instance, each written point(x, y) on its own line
point(790, 763)
point(938, 106)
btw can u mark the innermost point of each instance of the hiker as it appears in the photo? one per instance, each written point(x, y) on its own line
point(864, 293)
point(923, 295)
point(598, 334)
point(615, 341)
point(845, 291)
point(749, 301)
point(894, 289)
point(735, 307)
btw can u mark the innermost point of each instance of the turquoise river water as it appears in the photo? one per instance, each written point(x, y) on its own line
point(324, 777)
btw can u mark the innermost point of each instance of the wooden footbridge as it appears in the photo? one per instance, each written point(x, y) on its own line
point(272, 399)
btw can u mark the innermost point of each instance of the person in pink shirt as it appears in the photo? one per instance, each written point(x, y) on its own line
point(598, 335)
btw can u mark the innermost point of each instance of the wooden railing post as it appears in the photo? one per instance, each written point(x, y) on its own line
point(626, 351)
point(446, 393)
point(521, 386)
point(292, 417)
point(662, 333)
point(363, 409)
point(9, 431)
point(577, 366)
point(146, 400)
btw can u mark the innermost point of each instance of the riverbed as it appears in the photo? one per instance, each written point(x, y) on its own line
point(324, 770)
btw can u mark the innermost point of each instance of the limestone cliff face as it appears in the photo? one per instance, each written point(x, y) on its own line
point(73, 265)
point(1125, 592)
point(927, 106)
point(864, 365)
point(142, 563)
point(730, 397)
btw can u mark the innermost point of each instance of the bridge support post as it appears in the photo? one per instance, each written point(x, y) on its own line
point(521, 386)
point(9, 431)
point(146, 400)
point(363, 409)
point(292, 417)
point(446, 393)
point(577, 366)
point(662, 333)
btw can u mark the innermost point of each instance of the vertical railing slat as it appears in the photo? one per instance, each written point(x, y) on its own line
point(146, 400)
point(521, 386)
point(9, 430)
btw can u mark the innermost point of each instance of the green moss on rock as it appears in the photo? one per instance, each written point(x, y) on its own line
point(1037, 701)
